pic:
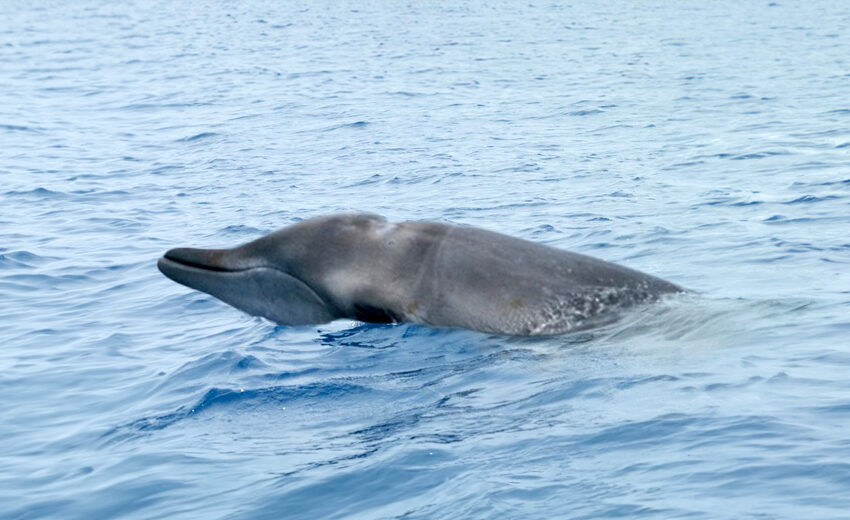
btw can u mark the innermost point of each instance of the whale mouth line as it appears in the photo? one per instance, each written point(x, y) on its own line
point(196, 265)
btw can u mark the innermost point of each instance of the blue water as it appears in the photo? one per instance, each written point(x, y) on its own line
point(707, 143)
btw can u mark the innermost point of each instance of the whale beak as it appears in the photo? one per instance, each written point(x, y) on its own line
point(246, 282)
point(208, 259)
point(208, 270)
point(189, 266)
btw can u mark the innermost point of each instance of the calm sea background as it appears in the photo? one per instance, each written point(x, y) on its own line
point(707, 143)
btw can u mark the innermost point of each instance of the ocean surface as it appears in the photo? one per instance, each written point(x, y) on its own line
point(707, 143)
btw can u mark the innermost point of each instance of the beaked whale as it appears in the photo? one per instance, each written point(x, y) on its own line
point(362, 267)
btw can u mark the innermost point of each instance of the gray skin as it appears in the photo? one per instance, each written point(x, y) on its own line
point(362, 267)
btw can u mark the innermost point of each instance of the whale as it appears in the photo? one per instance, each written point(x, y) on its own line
point(363, 267)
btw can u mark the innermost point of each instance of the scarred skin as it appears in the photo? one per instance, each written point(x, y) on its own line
point(362, 267)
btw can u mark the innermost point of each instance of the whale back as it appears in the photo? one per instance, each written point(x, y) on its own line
point(495, 283)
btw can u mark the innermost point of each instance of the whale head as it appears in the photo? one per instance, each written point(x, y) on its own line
point(307, 273)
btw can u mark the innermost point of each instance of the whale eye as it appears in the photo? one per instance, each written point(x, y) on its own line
point(391, 243)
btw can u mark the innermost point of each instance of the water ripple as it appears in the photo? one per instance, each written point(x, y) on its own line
point(639, 133)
